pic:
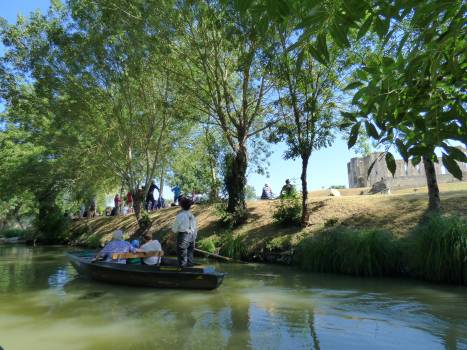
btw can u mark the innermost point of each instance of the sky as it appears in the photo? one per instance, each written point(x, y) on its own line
point(327, 167)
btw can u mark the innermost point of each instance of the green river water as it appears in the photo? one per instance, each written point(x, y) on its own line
point(45, 305)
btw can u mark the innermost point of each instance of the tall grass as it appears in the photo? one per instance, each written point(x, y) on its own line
point(233, 247)
point(439, 250)
point(355, 252)
point(208, 244)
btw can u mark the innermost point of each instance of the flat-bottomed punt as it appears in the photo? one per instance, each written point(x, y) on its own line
point(167, 275)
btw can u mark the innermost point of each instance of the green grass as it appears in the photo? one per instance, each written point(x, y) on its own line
point(348, 251)
point(440, 250)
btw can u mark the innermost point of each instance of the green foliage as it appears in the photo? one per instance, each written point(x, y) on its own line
point(250, 192)
point(233, 247)
point(280, 243)
point(355, 252)
point(208, 244)
point(15, 232)
point(93, 241)
point(439, 250)
point(51, 225)
point(288, 211)
point(144, 221)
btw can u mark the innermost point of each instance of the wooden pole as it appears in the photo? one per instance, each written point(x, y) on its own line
point(217, 256)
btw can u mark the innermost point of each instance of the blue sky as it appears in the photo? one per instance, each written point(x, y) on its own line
point(327, 167)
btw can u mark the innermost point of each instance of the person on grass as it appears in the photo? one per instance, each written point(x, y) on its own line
point(185, 229)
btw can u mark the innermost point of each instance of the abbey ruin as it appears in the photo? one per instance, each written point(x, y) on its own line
point(406, 174)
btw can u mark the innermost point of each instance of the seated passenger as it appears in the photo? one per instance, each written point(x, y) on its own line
point(116, 245)
point(135, 244)
point(150, 245)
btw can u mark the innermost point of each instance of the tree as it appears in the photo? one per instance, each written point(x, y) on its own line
point(307, 91)
point(413, 99)
point(224, 74)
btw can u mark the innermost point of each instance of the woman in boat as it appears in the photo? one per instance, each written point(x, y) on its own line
point(116, 245)
point(185, 229)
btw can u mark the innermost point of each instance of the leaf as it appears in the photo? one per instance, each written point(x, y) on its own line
point(315, 53)
point(381, 27)
point(452, 166)
point(391, 163)
point(353, 135)
point(416, 160)
point(353, 85)
point(371, 167)
point(339, 35)
point(371, 130)
point(388, 61)
point(322, 46)
point(349, 116)
point(456, 153)
point(402, 150)
point(364, 27)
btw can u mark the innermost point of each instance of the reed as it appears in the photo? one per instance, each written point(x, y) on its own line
point(439, 249)
point(356, 252)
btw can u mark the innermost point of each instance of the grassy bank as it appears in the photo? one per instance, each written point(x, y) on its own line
point(347, 220)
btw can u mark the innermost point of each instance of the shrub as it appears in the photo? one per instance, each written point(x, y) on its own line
point(145, 221)
point(280, 243)
point(355, 252)
point(208, 244)
point(439, 249)
point(288, 211)
point(233, 247)
point(52, 226)
point(15, 232)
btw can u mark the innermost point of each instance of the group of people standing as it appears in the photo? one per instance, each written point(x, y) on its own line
point(184, 227)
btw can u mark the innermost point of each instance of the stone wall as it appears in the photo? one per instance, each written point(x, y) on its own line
point(406, 174)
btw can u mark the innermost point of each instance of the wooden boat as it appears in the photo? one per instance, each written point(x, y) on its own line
point(167, 275)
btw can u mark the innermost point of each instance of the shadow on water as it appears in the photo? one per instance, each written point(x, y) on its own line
point(258, 307)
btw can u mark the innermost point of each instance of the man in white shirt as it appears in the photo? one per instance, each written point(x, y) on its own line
point(186, 230)
point(150, 245)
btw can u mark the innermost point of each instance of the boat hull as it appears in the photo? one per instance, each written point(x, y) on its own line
point(144, 275)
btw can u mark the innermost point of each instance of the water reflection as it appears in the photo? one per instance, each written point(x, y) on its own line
point(258, 307)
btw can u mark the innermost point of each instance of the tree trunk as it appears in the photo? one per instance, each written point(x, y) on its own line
point(305, 215)
point(161, 182)
point(235, 184)
point(434, 203)
point(137, 201)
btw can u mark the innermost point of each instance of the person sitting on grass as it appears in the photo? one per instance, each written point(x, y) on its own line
point(287, 190)
point(150, 245)
point(116, 245)
point(267, 192)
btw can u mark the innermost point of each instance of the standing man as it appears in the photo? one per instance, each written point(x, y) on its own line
point(150, 200)
point(186, 230)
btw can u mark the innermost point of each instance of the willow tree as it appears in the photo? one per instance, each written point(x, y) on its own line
point(127, 94)
point(224, 73)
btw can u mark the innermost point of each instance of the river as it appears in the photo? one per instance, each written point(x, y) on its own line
point(45, 305)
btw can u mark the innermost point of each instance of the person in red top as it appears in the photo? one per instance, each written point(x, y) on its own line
point(129, 202)
point(117, 202)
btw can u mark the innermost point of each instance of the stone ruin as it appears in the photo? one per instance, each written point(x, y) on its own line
point(406, 175)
